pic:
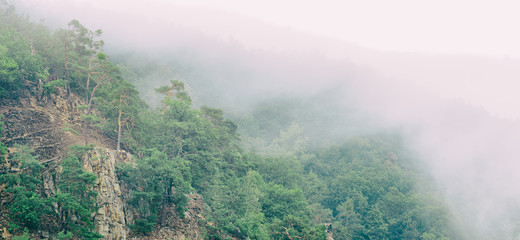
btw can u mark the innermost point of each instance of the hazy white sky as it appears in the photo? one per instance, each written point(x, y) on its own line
point(480, 27)
point(488, 27)
point(474, 27)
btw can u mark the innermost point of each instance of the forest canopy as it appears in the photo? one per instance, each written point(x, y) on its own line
point(261, 176)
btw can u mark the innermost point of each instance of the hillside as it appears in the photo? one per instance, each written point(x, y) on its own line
point(84, 157)
point(49, 123)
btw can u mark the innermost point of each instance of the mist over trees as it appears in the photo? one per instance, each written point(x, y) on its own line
point(280, 146)
point(268, 92)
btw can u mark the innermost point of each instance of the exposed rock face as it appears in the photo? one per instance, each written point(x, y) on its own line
point(49, 124)
point(28, 123)
point(110, 217)
point(175, 228)
point(39, 121)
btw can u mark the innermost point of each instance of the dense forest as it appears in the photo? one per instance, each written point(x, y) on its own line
point(262, 175)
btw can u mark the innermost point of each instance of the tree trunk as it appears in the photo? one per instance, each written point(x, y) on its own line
point(88, 78)
point(119, 125)
point(66, 64)
point(165, 105)
point(86, 126)
point(86, 132)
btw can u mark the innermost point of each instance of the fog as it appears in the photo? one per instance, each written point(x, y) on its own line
point(458, 111)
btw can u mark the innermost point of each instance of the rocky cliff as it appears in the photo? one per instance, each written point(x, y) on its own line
point(110, 216)
point(50, 124)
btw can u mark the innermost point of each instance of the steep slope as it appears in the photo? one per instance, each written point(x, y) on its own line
point(51, 124)
point(38, 121)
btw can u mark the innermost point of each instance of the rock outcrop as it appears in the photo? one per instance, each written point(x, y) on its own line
point(50, 124)
point(190, 227)
point(110, 217)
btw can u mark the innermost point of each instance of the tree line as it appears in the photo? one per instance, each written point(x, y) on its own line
point(274, 187)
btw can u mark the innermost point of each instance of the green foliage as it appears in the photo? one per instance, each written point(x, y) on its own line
point(3, 148)
point(8, 69)
point(120, 97)
point(82, 107)
point(363, 189)
point(27, 206)
point(80, 48)
point(280, 202)
point(76, 198)
point(290, 142)
point(78, 151)
point(291, 187)
point(102, 56)
point(371, 192)
point(174, 91)
point(91, 118)
point(63, 236)
point(50, 87)
point(267, 120)
point(143, 226)
point(156, 182)
point(17, 64)
point(24, 236)
point(69, 128)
